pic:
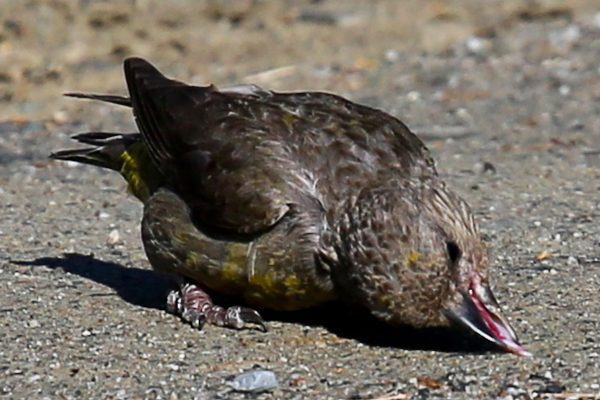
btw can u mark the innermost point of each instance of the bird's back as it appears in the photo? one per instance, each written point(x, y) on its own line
point(240, 156)
point(333, 145)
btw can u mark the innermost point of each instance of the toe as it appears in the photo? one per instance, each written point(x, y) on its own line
point(174, 305)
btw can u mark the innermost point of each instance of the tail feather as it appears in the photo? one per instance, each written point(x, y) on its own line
point(99, 156)
point(121, 152)
point(119, 100)
point(106, 153)
point(107, 138)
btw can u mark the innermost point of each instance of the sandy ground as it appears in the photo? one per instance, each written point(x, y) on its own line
point(506, 95)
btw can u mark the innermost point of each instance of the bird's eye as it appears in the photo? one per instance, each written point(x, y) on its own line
point(454, 252)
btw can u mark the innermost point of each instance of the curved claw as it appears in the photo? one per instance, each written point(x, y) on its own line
point(238, 317)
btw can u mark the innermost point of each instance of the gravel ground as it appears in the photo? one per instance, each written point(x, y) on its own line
point(507, 97)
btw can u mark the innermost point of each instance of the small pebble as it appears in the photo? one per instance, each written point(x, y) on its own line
point(392, 56)
point(485, 167)
point(572, 261)
point(256, 381)
point(60, 117)
point(464, 115)
point(564, 39)
point(413, 96)
point(113, 237)
point(515, 391)
point(477, 45)
point(553, 387)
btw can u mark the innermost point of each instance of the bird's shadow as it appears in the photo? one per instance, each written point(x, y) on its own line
point(148, 289)
point(136, 286)
point(358, 324)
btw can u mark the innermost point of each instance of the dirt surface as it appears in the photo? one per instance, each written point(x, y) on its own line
point(506, 95)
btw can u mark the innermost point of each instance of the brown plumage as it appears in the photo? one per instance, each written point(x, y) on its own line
point(292, 199)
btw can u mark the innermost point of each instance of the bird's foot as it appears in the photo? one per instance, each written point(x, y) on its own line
point(195, 306)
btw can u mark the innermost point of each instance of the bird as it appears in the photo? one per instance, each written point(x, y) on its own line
point(287, 200)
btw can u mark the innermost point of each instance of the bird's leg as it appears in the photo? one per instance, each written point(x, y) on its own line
point(195, 306)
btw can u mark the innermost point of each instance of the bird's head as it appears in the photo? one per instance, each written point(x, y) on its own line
point(413, 255)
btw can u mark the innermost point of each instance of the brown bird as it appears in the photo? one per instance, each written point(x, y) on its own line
point(289, 200)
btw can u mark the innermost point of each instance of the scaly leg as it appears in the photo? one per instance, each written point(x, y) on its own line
point(196, 307)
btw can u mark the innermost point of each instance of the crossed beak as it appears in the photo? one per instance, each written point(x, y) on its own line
point(480, 313)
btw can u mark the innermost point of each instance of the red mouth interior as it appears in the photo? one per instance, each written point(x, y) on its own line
point(497, 327)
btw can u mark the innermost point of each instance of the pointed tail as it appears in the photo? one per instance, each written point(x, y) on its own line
point(106, 153)
point(108, 98)
point(124, 153)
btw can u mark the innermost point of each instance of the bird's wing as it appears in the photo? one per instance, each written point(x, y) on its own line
point(227, 165)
